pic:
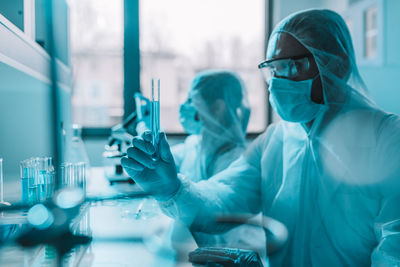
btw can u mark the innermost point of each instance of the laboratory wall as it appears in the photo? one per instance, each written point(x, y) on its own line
point(25, 114)
point(26, 103)
point(382, 77)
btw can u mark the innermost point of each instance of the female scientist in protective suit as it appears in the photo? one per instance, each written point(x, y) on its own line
point(215, 114)
point(329, 170)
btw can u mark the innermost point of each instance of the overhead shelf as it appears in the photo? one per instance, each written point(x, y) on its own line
point(22, 53)
point(27, 93)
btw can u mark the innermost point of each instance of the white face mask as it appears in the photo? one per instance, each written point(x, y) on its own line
point(292, 99)
point(187, 117)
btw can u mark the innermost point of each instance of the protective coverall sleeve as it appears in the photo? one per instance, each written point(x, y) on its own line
point(387, 223)
point(235, 190)
point(178, 151)
point(387, 229)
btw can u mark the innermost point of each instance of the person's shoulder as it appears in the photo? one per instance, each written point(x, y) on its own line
point(190, 143)
point(193, 139)
point(390, 121)
point(358, 126)
point(273, 133)
point(271, 129)
point(274, 130)
point(362, 146)
point(363, 117)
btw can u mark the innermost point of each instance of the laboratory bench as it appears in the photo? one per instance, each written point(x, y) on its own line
point(124, 231)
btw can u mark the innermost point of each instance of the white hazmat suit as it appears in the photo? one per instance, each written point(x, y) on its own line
point(335, 185)
point(219, 99)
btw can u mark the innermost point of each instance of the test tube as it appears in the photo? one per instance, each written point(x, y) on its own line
point(65, 170)
point(24, 180)
point(28, 169)
point(33, 192)
point(37, 179)
point(41, 165)
point(50, 175)
point(73, 175)
point(81, 166)
point(155, 112)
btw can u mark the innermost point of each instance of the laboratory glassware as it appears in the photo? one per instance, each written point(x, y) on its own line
point(2, 202)
point(76, 151)
point(37, 179)
point(29, 183)
point(155, 111)
point(73, 175)
point(155, 116)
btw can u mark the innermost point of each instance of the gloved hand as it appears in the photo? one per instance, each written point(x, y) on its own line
point(157, 177)
point(227, 257)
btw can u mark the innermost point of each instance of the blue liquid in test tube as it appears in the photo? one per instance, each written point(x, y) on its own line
point(155, 114)
point(29, 187)
point(24, 171)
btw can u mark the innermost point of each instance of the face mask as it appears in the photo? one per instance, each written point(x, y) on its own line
point(292, 99)
point(187, 117)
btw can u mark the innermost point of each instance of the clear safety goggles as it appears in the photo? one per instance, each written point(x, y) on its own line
point(289, 68)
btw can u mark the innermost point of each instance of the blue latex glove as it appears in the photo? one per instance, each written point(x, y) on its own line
point(157, 177)
point(227, 257)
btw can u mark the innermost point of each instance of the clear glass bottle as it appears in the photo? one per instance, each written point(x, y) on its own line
point(76, 151)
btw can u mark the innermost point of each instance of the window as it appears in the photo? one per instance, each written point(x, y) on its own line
point(179, 38)
point(96, 30)
point(370, 33)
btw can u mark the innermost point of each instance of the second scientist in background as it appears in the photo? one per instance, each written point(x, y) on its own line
point(215, 115)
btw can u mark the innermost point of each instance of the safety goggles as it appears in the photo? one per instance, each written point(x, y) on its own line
point(289, 68)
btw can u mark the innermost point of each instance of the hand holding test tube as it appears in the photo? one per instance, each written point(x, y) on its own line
point(149, 162)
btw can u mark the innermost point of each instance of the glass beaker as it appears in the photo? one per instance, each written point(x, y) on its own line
point(29, 185)
point(74, 175)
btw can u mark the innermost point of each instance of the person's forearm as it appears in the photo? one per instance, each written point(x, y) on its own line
point(231, 192)
point(188, 205)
